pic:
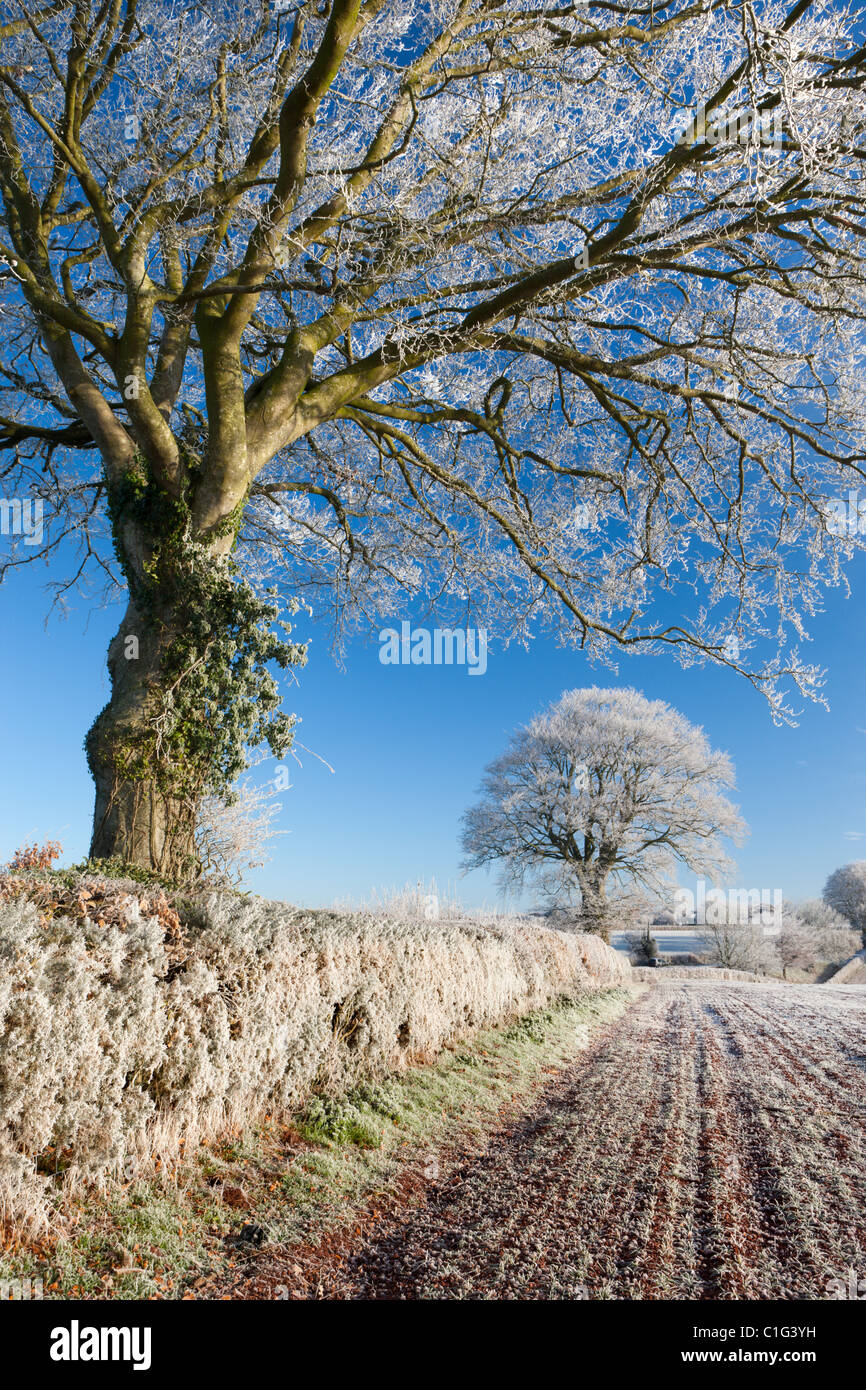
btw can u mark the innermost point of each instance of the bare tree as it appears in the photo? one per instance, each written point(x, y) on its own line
point(233, 831)
point(812, 931)
point(738, 945)
point(845, 890)
point(518, 311)
point(604, 786)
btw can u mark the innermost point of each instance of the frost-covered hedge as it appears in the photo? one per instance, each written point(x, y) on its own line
point(120, 1038)
point(707, 973)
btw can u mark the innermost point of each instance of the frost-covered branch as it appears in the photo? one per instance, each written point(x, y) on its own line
point(551, 316)
point(605, 787)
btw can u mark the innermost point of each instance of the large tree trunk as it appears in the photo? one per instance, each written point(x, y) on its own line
point(594, 910)
point(134, 819)
point(193, 638)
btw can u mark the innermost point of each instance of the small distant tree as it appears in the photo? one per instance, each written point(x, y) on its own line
point(812, 931)
point(739, 945)
point(845, 890)
point(796, 942)
point(642, 946)
point(604, 787)
point(664, 919)
point(833, 932)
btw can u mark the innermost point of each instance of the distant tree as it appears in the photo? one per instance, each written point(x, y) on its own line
point(643, 947)
point(605, 786)
point(812, 931)
point(845, 890)
point(832, 930)
point(738, 945)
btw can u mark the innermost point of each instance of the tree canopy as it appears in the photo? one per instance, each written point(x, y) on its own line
point(605, 786)
point(550, 314)
point(845, 892)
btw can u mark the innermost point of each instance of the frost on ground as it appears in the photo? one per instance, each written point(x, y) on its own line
point(710, 1145)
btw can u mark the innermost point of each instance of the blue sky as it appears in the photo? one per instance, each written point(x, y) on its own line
point(408, 745)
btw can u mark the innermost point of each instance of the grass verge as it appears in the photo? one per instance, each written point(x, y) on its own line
point(283, 1183)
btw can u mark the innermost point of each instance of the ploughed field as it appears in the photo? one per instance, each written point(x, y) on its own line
point(708, 1145)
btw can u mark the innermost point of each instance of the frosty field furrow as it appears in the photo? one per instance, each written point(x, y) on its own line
point(725, 1207)
point(709, 1145)
point(808, 1200)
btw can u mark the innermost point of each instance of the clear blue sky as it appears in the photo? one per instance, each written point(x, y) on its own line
point(409, 743)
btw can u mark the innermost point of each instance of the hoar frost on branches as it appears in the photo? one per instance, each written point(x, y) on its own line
point(606, 787)
point(845, 892)
point(453, 300)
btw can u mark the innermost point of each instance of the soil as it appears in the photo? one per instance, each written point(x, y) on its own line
point(708, 1145)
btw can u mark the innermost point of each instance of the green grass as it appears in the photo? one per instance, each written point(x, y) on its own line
point(301, 1179)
